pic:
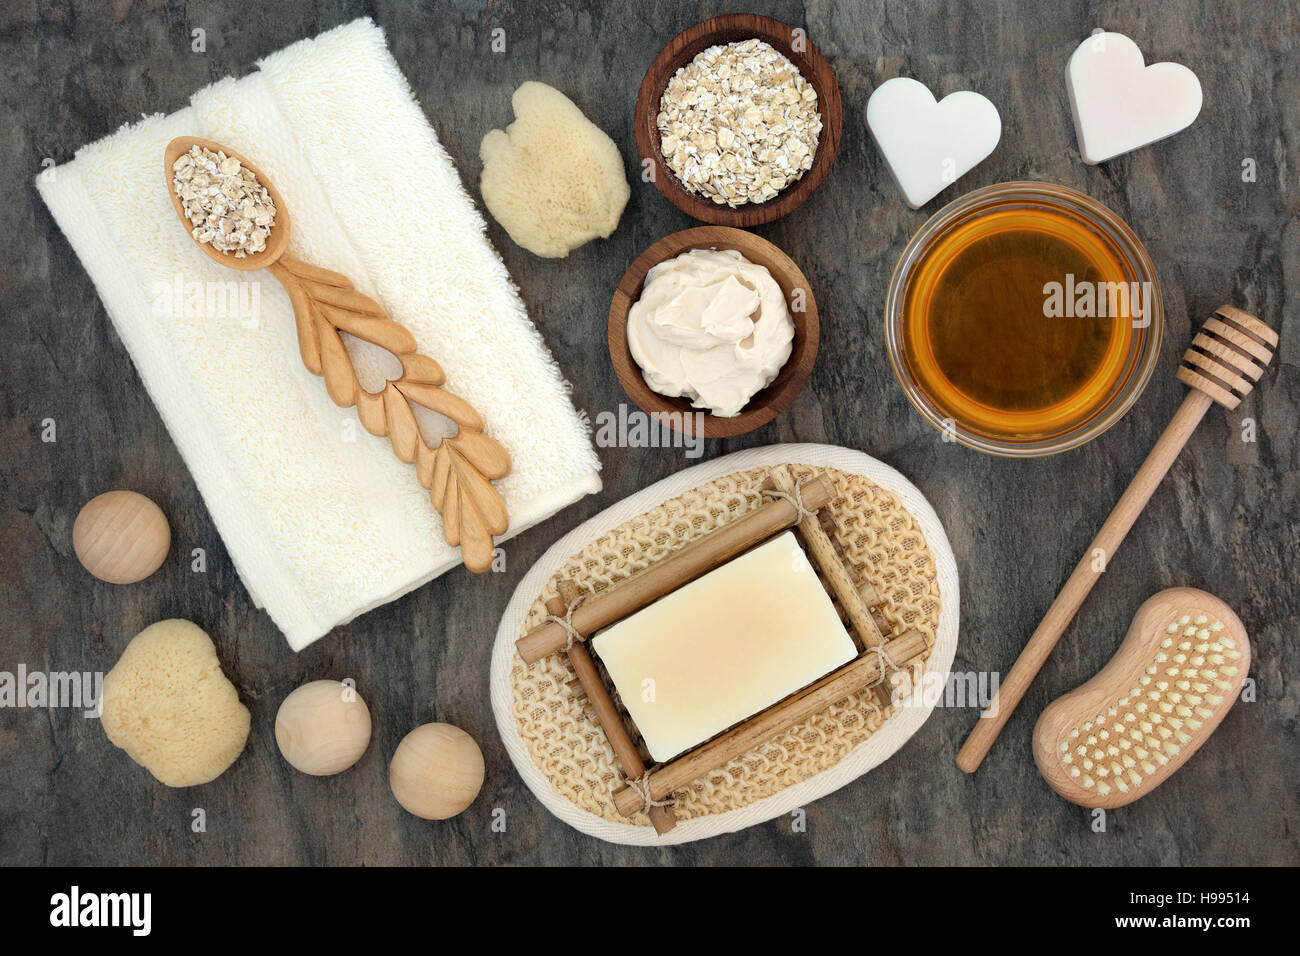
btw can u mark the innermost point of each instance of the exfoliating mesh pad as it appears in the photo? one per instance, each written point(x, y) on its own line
point(890, 537)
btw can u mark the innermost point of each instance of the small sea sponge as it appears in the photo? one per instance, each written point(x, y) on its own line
point(552, 178)
point(169, 706)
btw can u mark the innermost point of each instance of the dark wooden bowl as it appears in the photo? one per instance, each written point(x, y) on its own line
point(766, 405)
point(680, 51)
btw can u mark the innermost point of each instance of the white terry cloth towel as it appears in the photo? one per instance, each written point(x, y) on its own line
point(322, 520)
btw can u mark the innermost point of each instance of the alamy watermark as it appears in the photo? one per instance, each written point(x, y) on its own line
point(633, 428)
point(1099, 300)
point(916, 687)
point(78, 908)
point(77, 690)
point(239, 299)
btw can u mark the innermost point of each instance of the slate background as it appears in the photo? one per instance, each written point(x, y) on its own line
point(1225, 520)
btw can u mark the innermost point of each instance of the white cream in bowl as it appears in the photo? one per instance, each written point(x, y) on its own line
point(711, 326)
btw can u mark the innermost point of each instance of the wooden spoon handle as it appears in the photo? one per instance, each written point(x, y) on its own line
point(458, 471)
point(1081, 581)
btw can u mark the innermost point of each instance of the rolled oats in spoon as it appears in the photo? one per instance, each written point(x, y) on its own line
point(228, 208)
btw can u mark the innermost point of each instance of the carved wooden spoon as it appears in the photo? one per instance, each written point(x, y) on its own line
point(457, 471)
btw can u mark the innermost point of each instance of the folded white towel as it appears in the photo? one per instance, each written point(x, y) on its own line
point(322, 521)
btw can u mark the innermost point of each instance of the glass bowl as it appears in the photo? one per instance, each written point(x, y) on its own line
point(1024, 230)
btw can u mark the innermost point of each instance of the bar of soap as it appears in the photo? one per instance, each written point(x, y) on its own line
point(927, 144)
point(724, 647)
point(1121, 104)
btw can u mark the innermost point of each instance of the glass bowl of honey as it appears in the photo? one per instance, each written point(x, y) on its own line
point(1024, 319)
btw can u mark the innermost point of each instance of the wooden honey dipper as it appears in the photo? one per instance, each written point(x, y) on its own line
point(1226, 359)
point(458, 470)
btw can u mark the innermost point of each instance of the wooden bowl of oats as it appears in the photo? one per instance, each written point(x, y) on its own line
point(741, 119)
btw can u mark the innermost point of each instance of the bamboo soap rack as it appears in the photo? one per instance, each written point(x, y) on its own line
point(574, 618)
point(459, 470)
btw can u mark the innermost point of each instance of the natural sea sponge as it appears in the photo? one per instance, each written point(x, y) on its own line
point(552, 178)
point(170, 707)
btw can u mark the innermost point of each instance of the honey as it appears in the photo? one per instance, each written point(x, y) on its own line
point(1020, 324)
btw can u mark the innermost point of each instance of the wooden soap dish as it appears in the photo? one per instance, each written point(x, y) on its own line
point(880, 652)
point(730, 29)
point(677, 413)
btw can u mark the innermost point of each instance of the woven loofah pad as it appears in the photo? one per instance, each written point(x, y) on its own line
point(883, 544)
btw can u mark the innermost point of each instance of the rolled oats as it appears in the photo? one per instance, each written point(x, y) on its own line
point(228, 208)
point(739, 123)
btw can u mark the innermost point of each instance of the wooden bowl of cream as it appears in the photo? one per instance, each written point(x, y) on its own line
point(679, 413)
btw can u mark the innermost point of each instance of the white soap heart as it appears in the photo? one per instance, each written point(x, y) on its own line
point(1120, 104)
point(927, 145)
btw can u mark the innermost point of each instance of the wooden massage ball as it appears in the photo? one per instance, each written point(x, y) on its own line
point(436, 772)
point(121, 537)
point(322, 728)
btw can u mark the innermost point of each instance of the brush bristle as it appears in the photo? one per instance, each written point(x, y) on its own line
point(1189, 678)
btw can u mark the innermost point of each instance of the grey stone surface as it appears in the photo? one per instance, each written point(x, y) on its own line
point(1225, 520)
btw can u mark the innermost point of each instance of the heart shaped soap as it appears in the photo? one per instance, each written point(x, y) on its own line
point(927, 145)
point(1120, 104)
point(1174, 677)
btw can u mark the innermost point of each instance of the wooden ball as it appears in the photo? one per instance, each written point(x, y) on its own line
point(121, 537)
point(322, 727)
point(436, 772)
